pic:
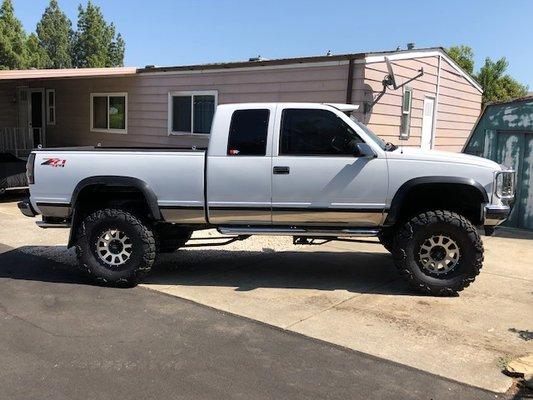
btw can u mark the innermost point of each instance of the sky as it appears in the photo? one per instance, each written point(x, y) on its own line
point(176, 32)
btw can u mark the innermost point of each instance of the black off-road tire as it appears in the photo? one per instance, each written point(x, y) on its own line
point(143, 247)
point(171, 237)
point(409, 238)
point(386, 238)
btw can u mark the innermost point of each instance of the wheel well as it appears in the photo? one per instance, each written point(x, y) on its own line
point(95, 197)
point(463, 199)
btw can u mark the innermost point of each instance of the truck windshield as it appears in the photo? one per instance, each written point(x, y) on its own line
point(379, 141)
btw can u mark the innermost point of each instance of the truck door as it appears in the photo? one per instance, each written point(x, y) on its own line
point(316, 178)
point(239, 179)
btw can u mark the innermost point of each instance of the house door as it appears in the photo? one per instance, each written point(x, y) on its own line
point(515, 150)
point(36, 117)
point(427, 123)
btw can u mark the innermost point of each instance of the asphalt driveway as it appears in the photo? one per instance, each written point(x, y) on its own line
point(62, 338)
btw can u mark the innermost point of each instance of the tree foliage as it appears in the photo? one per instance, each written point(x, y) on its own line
point(55, 45)
point(496, 84)
point(36, 55)
point(96, 42)
point(12, 39)
point(464, 56)
point(54, 31)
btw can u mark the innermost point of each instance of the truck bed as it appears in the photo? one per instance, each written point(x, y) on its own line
point(179, 194)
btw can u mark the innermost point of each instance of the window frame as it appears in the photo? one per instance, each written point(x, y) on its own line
point(108, 95)
point(405, 132)
point(191, 93)
point(280, 139)
point(50, 110)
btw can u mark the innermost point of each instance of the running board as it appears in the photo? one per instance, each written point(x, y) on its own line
point(46, 225)
point(361, 232)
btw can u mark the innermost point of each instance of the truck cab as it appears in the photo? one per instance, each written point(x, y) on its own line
point(296, 165)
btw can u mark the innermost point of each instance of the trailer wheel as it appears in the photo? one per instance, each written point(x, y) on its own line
point(438, 252)
point(115, 247)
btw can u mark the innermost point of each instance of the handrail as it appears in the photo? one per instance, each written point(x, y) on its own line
point(17, 140)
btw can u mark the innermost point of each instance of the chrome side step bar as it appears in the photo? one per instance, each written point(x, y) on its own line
point(46, 225)
point(356, 232)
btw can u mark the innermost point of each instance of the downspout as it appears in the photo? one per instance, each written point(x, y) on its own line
point(349, 84)
point(434, 124)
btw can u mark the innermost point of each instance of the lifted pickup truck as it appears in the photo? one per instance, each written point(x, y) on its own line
point(306, 170)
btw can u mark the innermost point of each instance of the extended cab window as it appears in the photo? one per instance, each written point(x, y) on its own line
point(248, 133)
point(316, 132)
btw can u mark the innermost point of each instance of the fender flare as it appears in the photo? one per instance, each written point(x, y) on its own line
point(107, 181)
point(402, 192)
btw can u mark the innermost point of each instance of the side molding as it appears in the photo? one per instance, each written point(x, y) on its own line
point(402, 192)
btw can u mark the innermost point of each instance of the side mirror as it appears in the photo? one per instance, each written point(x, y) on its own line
point(364, 150)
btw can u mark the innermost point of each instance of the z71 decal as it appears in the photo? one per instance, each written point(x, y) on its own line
point(54, 162)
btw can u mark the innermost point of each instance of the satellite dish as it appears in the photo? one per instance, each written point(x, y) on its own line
point(390, 79)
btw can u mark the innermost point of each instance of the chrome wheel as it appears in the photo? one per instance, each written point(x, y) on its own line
point(114, 247)
point(439, 254)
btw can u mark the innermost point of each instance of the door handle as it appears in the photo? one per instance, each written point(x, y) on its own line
point(281, 170)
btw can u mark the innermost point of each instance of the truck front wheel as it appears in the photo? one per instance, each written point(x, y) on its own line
point(438, 252)
point(115, 247)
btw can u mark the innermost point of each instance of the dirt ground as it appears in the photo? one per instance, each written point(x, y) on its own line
point(347, 294)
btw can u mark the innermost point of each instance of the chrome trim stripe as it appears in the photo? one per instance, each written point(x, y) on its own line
point(240, 215)
point(296, 215)
point(183, 214)
point(313, 217)
point(57, 210)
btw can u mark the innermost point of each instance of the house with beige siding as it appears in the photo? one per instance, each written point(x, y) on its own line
point(416, 97)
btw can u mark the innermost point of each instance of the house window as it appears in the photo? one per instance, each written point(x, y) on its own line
point(191, 112)
point(109, 112)
point(406, 113)
point(50, 106)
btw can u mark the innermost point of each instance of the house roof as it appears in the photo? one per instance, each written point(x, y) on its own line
point(65, 73)
point(529, 97)
point(365, 57)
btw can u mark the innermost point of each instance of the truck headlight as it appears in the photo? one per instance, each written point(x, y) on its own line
point(504, 185)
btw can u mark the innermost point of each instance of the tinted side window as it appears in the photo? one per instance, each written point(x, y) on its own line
point(248, 133)
point(316, 132)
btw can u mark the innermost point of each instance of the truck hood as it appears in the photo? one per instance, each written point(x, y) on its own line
point(411, 153)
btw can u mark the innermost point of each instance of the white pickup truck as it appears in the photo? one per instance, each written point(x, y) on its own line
point(306, 170)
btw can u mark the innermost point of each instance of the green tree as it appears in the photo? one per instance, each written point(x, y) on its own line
point(12, 39)
point(464, 56)
point(96, 43)
point(497, 86)
point(54, 31)
point(35, 54)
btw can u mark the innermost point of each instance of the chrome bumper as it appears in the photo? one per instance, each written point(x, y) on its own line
point(496, 214)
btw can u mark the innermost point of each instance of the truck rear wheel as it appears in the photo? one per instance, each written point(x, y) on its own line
point(115, 247)
point(438, 252)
